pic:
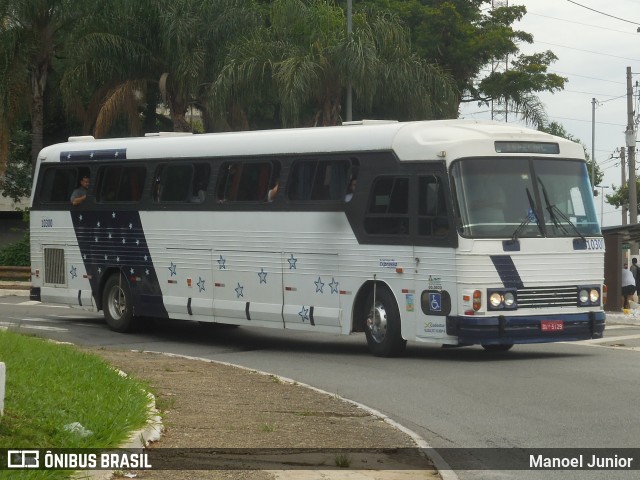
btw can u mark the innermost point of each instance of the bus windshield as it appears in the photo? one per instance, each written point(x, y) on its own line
point(523, 197)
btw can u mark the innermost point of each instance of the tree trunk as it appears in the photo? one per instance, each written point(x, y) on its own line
point(38, 85)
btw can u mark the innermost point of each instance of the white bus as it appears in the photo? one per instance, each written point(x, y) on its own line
point(444, 232)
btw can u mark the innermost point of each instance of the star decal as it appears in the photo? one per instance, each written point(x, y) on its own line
point(263, 276)
point(172, 269)
point(113, 214)
point(334, 285)
point(304, 314)
point(239, 289)
point(73, 271)
point(132, 271)
point(146, 271)
point(319, 285)
point(292, 262)
point(200, 284)
point(98, 224)
point(80, 217)
point(221, 263)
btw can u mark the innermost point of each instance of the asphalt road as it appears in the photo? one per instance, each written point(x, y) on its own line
point(566, 395)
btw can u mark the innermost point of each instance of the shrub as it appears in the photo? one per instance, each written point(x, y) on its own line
point(17, 254)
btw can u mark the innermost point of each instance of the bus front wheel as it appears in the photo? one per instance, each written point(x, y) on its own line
point(118, 305)
point(382, 327)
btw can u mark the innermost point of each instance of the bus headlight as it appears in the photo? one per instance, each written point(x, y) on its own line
point(509, 299)
point(495, 299)
point(588, 295)
point(502, 299)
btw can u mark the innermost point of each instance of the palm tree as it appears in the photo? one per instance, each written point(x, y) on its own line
point(306, 57)
point(168, 45)
point(33, 34)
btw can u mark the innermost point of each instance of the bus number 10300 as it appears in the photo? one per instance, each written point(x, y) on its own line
point(595, 244)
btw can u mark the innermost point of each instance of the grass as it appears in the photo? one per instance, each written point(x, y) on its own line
point(49, 386)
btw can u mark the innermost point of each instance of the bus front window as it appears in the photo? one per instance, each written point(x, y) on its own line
point(523, 197)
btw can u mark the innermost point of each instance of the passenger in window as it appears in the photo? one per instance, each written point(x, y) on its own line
point(273, 192)
point(351, 189)
point(79, 195)
point(200, 193)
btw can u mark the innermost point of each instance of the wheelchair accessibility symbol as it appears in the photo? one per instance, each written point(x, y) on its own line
point(435, 302)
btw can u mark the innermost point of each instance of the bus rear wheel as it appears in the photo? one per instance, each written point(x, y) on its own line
point(118, 304)
point(382, 326)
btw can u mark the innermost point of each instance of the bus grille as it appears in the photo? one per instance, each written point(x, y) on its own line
point(54, 266)
point(544, 297)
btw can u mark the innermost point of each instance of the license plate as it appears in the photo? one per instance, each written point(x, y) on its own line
point(551, 325)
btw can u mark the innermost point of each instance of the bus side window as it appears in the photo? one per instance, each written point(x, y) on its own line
point(177, 181)
point(388, 212)
point(121, 184)
point(244, 182)
point(322, 180)
point(200, 182)
point(432, 213)
point(57, 185)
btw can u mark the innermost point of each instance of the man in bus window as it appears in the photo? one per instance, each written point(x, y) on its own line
point(79, 195)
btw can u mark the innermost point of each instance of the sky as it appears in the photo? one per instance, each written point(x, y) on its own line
point(594, 50)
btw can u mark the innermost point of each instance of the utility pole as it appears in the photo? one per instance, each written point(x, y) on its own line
point(625, 210)
point(631, 156)
point(593, 142)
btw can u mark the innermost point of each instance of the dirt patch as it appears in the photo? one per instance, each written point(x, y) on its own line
point(208, 405)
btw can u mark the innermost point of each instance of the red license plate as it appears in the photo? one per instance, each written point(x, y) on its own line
point(551, 325)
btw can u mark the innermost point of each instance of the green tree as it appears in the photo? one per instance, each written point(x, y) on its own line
point(136, 50)
point(304, 56)
point(16, 183)
point(33, 35)
point(465, 37)
point(620, 196)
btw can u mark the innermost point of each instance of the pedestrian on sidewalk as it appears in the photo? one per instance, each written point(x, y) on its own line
point(628, 285)
point(635, 269)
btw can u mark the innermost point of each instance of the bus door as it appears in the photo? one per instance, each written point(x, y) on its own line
point(187, 285)
point(248, 287)
point(311, 291)
point(434, 255)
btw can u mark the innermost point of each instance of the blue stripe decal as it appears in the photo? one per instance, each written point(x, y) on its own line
point(110, 239)
point(88, 155)
point(507, 271)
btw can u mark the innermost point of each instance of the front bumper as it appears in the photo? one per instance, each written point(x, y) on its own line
point(507, 329)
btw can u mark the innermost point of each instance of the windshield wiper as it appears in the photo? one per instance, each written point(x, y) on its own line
point(554, 210)
point(531, 215)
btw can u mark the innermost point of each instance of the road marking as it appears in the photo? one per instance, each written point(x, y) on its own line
point(610, 339)
point(32, 303)
point(32, 327)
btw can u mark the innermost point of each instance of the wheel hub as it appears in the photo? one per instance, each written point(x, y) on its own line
point(377, 322)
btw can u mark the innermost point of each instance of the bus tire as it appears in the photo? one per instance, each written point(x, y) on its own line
point(498, 348)
point(382, 325)
point(118, 304)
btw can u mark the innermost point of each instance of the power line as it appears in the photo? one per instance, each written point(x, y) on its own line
point(580, 23)
point(589, 51)
point(602, 13)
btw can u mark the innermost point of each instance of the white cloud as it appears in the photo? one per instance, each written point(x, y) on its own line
point(593, 53)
